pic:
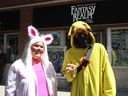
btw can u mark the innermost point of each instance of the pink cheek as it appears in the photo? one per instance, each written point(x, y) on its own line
point(41, 51)
point(33, 49)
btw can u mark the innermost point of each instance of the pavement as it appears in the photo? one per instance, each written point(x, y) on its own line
point(120, 92)
point(60, 93)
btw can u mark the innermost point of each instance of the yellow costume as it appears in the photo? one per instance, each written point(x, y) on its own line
point(97, 78)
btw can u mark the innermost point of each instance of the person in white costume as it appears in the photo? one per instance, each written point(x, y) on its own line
point(33, 74)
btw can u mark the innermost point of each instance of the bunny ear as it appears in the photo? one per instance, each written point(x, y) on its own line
point(48, 39)
point(32, 31)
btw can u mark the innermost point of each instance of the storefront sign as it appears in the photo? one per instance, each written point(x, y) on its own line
point(83, 12)
point(100, 12)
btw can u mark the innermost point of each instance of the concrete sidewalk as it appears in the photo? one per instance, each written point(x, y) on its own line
point(120, 92)
point(60, 93)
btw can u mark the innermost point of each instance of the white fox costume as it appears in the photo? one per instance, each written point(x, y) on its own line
point(21, 79)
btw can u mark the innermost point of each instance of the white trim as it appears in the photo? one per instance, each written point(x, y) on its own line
point(35, 4)
point(109, 48)
point(63, 38)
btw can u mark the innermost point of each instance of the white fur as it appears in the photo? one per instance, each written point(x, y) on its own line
point(32, 29)
point(48, 38)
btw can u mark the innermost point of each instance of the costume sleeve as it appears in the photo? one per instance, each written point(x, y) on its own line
point(10, 88)
point(68, 75)
point(109, 84)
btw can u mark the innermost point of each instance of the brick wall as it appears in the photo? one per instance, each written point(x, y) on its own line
point(25, 20)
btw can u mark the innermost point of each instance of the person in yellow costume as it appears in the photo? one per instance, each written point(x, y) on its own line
point(96, 77)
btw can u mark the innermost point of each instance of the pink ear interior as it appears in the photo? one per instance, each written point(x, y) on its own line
point(47, 38)
point(33, 32)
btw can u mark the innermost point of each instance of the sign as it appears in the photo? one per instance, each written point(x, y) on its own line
point(56, 56)
point(83, 12)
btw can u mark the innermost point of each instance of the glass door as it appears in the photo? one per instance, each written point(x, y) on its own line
point(11, 47)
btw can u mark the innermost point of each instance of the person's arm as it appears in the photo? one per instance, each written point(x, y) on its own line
point(109, 83)
point(10, 88)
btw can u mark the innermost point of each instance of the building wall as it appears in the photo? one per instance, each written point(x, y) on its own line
point(25, 21)
point(22, 2)
point(121, 77)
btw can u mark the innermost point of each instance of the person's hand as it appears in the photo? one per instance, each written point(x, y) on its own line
point(71, 68)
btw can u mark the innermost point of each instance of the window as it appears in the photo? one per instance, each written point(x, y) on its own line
point(56, 40)
point(119, 44)
point(11, 47)
point(100, 36)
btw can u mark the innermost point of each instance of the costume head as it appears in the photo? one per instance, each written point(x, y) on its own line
point(35, 37)
point(81, 35)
